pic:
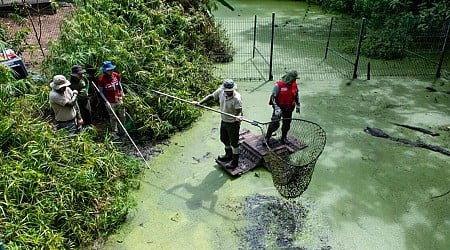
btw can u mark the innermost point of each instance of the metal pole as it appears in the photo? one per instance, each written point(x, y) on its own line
point(358, 51)
point(271, 48)
point(444, 47)
point(254, 38)
point(255, 123)
point(329, 37)
point(108, 105)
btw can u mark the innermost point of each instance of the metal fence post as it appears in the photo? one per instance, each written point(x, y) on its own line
point(271, 47)
point(444, 46)
point(254, 38)
point(358, 50)
point(329, 37)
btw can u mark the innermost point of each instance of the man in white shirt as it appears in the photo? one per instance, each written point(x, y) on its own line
point(230, 103)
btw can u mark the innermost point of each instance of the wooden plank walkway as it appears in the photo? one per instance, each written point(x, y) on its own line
point(254, 153)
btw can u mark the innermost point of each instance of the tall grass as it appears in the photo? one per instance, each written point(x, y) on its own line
point(155, 45)
point(59, 191)
point(56, 191)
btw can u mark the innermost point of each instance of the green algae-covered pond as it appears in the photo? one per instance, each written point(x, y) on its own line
point(366, 192)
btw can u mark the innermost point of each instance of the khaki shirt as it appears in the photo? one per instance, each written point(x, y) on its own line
point(228, 104)
point(58, 102)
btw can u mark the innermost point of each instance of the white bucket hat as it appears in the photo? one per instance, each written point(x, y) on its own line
point(59, 81)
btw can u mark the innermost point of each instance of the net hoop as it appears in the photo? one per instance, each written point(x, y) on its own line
point(292, 170)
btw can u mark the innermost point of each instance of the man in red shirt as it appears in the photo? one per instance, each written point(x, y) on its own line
point(284, 99)
point(111, 91)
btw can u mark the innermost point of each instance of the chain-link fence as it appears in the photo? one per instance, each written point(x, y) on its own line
point(327, 48)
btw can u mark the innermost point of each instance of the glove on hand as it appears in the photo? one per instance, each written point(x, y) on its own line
point(277, 112)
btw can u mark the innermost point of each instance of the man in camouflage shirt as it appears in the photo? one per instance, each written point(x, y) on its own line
point(79, 83)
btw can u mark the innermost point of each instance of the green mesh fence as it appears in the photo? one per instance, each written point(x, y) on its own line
point(300, 43)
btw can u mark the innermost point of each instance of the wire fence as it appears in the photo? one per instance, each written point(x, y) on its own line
point(318, 47)
point(325, 48)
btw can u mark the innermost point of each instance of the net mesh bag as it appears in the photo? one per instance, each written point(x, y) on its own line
point(292, 169)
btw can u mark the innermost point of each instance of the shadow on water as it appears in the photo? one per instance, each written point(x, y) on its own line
point(201, 194)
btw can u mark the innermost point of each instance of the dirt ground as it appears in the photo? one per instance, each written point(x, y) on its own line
point(37, 42)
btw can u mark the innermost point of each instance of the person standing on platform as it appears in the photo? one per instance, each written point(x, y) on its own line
point(230, 103)
point(284, 100)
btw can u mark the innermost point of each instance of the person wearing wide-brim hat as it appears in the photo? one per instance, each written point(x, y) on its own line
point(80, 83)
point(63, 102)
point(230, 103)
point(111, 91)
point(284, 99)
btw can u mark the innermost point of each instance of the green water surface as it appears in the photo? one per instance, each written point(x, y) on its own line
point(366, 192)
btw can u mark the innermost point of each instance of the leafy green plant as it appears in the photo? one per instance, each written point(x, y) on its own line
point(153, 48)
point(393, 24)
point(384, 44)
point(59, 191)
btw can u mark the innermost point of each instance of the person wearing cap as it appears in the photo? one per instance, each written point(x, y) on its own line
point(284, 99)
point(230, 103)
point(63, 102)
point(111, 91)
point(80, 83)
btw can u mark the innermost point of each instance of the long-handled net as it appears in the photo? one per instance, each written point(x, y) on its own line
point(292, 163)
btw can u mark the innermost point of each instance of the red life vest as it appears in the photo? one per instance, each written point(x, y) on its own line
point(111, 86)
point(286, 94)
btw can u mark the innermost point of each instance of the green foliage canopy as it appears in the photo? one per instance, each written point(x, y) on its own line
point(59, 191)
point(154, 45)
point(393, 23)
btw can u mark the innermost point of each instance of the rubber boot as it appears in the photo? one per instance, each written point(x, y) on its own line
point(267, 138)
point(234, 163)
point(227, 156)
